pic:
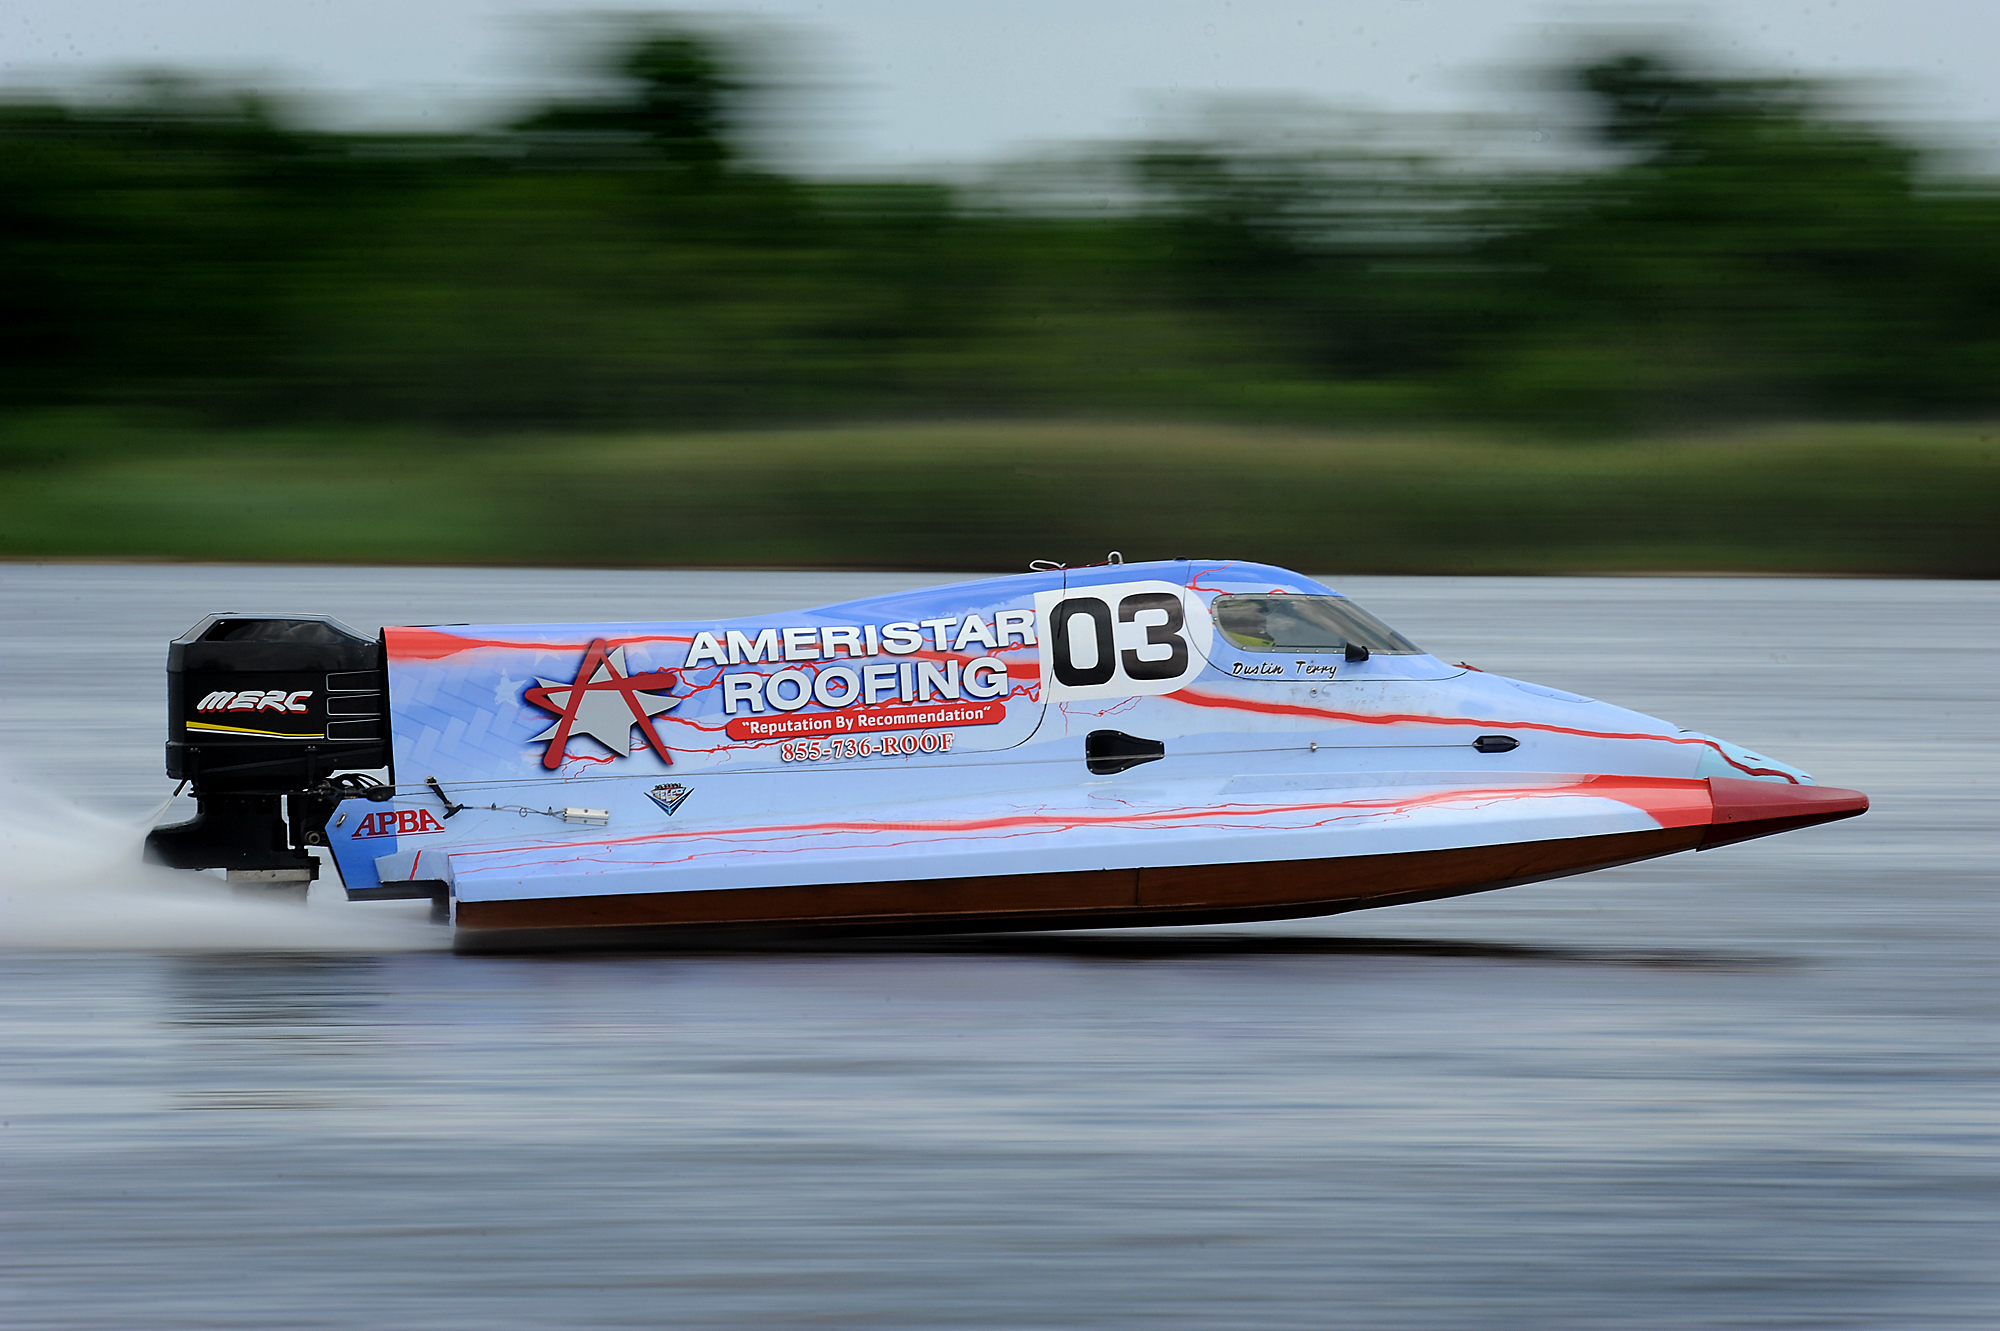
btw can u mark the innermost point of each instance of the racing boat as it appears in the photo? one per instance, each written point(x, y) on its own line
point(1181, 742)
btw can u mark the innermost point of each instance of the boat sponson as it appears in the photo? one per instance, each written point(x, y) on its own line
point(1101, 898)
point(1125, 898)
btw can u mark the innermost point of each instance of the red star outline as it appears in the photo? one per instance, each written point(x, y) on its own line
point(655, 681)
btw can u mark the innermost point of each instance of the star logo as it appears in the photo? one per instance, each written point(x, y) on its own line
point(603, 702)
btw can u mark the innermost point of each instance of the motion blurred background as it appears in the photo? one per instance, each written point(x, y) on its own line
point(1366, 287)
point(1662, 300)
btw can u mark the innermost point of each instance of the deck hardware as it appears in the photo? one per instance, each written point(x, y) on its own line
point(438, 790)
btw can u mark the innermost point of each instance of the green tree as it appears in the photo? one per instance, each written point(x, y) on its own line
point(671, 94)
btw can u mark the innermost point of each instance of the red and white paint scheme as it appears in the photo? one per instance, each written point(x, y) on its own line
point(1178, 742)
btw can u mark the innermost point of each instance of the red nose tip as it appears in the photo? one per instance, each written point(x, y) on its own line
point(1748, 809)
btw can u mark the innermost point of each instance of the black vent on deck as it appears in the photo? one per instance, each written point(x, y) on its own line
point(1109, 751)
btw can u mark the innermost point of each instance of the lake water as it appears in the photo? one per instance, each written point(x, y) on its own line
point(1751, 1088)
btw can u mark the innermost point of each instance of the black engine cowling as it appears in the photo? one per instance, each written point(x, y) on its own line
point(261, 713)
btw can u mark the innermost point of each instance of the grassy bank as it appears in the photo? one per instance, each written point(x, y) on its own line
point(1877, 499)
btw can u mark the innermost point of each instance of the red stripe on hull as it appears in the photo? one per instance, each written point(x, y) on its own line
point(1669, 801)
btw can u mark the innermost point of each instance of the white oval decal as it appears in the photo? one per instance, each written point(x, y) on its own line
point(1120, 639)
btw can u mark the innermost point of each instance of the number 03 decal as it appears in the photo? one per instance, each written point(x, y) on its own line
point(1120, 639)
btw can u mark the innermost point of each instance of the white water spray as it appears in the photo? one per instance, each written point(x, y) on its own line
point(71, 879)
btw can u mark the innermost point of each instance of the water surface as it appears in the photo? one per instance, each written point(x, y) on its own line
point(1749, 1088)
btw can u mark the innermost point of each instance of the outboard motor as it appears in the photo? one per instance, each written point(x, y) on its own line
point(264, 716)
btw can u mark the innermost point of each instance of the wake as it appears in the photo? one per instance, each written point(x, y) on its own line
point(71, 879)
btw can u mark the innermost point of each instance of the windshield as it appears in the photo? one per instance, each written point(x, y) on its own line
point(1291, 623)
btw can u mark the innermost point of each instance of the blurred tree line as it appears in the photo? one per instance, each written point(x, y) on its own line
point(1732, 248)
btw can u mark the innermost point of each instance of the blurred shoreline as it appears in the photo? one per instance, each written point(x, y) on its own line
point(1719, 322)
point(1884, 499)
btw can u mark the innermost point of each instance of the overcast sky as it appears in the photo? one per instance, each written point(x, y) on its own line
point(933, 81)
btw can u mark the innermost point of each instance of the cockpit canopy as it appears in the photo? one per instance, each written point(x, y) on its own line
point(1289, 622)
